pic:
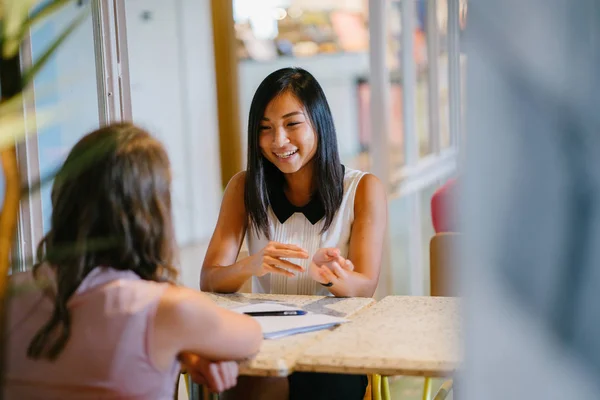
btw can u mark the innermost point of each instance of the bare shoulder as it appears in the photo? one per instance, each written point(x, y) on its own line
point(178, 304)
point(370, 192)
point(176, 294)
point(370, 208)
point(237, 183)
point(233, 198)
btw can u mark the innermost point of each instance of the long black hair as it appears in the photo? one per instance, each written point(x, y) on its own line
point(114, 189)
point(262, 176)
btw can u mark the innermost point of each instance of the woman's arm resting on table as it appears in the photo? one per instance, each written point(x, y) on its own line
point(361, 276)
point(187, 321)
point(220, 272)
point(217, 376)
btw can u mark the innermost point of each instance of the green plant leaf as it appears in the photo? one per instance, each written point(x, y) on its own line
point(11, 105)
point(44, 12)
point(30, 74)
point(13, 125)
point(14, 12)
point(24, 101)
point(19, 23)
point(37, 16)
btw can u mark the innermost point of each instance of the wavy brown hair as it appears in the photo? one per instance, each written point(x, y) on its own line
point(111, 206)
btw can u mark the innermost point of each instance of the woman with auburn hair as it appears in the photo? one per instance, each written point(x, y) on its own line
point(99, 316)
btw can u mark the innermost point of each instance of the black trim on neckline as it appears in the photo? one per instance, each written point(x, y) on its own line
point(283, 209)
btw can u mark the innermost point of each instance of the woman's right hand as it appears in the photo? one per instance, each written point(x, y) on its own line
point(271, 259)
point(217, 376)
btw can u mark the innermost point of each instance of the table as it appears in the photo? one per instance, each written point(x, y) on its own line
point(278, 357)
point(399, 335)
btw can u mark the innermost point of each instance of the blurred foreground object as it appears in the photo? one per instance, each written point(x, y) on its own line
point(16, 19)
point(531, 206)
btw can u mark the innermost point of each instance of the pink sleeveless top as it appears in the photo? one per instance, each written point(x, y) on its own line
point(106, 356)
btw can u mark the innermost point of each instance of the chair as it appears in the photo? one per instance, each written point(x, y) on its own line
point(442, 257)
point(441, 262)
point(443, 214)
point(444, 390)
point(187, 384)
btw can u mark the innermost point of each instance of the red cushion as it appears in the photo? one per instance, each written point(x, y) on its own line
point(442, 210)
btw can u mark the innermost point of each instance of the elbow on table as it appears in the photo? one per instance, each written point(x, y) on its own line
point(367, 289)
point(204, 283)
point(249, 336)
point(257, 335)
point(208, 285)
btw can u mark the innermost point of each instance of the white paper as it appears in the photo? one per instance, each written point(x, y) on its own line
point(276, 327)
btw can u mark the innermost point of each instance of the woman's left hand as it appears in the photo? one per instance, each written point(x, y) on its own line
point(328, 266)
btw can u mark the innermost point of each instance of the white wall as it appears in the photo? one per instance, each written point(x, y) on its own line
point(173, 95)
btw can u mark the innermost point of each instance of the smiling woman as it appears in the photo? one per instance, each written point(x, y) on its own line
point(296, 201)
point(313, 227)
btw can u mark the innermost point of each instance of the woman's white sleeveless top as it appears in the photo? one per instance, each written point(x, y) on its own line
point(292, 225)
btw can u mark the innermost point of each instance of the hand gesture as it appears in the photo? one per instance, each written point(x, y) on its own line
point(271, 259)
point(328, 266)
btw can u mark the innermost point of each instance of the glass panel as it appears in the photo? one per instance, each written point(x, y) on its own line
point(421, 94)
point(402, 238)
point(67, 82)
point(442, 15)
point(422, 70)
point(444, 108)
point(400, 242)
point(396, 134)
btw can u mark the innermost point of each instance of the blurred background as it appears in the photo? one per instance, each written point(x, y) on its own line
point(393, 73)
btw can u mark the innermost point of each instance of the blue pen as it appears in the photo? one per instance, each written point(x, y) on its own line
point(275, 313)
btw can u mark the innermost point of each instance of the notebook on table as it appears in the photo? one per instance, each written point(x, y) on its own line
point(275, 327)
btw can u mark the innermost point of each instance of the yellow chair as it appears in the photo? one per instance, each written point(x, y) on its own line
point(444, 390)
